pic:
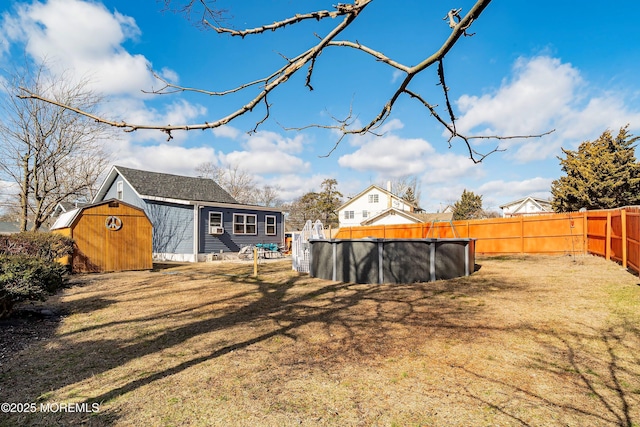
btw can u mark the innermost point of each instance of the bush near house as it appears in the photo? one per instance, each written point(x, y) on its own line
point(28, 270)
point(47, 246)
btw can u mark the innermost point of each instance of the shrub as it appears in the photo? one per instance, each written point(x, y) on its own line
point(28, 267)
point(47, 246)
point(27, 278)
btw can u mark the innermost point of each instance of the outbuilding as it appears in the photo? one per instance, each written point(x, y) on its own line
point(109, 236)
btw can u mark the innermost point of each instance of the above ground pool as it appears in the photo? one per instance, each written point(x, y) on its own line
point(373, 260)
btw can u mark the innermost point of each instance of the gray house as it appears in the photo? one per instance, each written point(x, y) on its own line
point(192, 217)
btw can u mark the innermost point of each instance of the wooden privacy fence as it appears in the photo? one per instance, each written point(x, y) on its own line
point(613, 234)
point(544, 234)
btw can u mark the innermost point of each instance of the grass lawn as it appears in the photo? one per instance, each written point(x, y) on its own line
point(524, 341)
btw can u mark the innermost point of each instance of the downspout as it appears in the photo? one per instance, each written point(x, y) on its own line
point(196, 234)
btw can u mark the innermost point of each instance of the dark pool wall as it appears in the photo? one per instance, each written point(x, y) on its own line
point(391, 260)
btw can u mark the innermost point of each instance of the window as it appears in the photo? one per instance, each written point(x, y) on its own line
point(365, 214)
point(348, 214)
point(120, 190)
point(374, 198)
point(215, 223)
point(244, 224)
point(270, 225)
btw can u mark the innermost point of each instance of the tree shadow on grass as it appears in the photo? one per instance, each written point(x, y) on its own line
point(368, 316)
point(608, 377)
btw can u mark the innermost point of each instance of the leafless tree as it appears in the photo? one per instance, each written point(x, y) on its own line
point(344, 15)
point(404, 186)
point(268, 195)
point(53, 154)
point(236, 181)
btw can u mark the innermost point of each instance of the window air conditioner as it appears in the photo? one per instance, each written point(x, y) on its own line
point(216, 230)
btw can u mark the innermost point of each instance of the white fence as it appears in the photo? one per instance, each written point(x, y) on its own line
point(300, 250)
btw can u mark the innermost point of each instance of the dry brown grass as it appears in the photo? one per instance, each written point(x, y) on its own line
point(524, 341)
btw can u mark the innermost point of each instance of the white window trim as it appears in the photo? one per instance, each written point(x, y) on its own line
point(349, 214)
point(220, 224)
point(244, 224)
point(267, 225)
point(120, 190)
point(374, 198)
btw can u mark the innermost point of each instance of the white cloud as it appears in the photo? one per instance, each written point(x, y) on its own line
point(226, 132)
point(499, 192)
point(393, 156)
point(397, 75)
point(541, 88)
point(293, 186)
point(542, 95)
point(83, 37)
point(266, 152)
point(165, 158)
point(169, 75)
point(135, 111)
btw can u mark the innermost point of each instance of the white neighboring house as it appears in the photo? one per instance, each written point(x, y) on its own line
point(394, 216)
point(371, 202)
point(526, 206)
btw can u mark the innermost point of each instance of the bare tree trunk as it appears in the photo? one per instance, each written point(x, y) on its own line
point(24, 194)
point(52, 154)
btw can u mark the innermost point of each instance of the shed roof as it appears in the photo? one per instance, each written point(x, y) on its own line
point(66, 219)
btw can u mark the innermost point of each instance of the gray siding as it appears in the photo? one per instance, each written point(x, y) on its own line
point(172, 227)
point(230, 242)
point(172, 223)
point(128, 196)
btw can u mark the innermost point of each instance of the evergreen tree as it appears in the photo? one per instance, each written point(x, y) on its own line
point(409, 197)
point(329, 200)
point(313, 206)
point(468, 207)
point(601, 174)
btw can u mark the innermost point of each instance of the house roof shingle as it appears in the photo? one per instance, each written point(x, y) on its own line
point(169, 186)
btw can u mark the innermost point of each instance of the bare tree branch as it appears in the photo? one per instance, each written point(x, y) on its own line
point(458, 22)
point(52, 154)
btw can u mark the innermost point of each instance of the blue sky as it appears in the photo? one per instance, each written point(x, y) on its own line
point(529, 68)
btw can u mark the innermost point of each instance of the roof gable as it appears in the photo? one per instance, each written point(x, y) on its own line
point(380, 189)
point(542, 204)
point(66, 219)
point(168, 186)
point(391, 211)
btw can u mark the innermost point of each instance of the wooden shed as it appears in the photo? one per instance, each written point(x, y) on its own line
point(109, 236)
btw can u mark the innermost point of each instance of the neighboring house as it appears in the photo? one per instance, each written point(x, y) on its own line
point(526, 206)
point(64, 207)
point(394, 216)
point(372, 202)
point(447, 209)
point(192, 217)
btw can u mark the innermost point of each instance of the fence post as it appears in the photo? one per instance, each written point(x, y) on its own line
point(607, 244)
point(521, 234)
point(255, 261)
point(585, 235)
point(623, 220)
